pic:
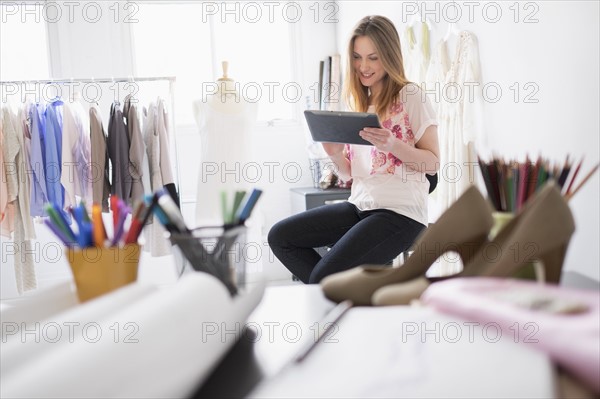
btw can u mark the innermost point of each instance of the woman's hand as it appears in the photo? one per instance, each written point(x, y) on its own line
point(383, 139)
point(342, 164)
point(333, 149)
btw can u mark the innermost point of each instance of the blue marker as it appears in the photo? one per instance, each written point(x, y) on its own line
point(247, 206)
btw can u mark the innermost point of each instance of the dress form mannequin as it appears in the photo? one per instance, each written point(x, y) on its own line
point(224, 119)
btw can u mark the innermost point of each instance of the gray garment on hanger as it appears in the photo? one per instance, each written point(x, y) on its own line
point(118, 151)
point(137, 149)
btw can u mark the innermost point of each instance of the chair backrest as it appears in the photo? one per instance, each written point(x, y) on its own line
point(433, 181)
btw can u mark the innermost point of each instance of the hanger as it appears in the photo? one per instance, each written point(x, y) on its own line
point(58, 96)
point(116, 101)
point(416, 17)
point(75, 95)
point(131, 89)
point(93, 81)
point(452, 30)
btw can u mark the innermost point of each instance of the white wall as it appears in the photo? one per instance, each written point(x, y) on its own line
point(559, 54)
point(80, 49)
point(558, 57)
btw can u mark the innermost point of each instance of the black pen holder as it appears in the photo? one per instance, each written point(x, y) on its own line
point(218, 251)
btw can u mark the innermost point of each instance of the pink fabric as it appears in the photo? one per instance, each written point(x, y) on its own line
point(570, 339)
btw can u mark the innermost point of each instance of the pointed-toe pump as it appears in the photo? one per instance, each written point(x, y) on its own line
point(541, 231)
point(400, 293)
point(463, 228)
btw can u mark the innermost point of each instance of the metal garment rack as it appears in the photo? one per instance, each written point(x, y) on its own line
point(170, 79)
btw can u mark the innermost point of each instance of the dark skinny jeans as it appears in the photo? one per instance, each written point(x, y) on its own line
point(357, 237)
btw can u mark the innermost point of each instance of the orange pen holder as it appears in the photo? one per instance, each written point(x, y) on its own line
point(98, 270)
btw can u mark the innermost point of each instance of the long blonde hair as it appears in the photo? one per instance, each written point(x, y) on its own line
point(387, 43)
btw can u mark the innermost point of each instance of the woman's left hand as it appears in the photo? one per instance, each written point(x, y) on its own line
point(382, 139)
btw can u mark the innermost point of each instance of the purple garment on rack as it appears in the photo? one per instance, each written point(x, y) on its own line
point(53, 145)
point(39, 195)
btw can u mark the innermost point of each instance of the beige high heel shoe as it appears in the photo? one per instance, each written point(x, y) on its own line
point(541, 231)
point(463, 228)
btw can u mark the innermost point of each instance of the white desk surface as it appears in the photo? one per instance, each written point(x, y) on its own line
point(372, 352)
point(376, 352)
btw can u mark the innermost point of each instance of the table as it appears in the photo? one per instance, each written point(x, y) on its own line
point(370, 346)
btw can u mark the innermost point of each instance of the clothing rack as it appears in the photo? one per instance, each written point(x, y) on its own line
point(170, 79)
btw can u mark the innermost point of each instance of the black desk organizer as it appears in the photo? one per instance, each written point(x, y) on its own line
point(210, 250)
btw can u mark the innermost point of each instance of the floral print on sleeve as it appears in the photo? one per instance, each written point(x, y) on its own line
point(399, 124)
point(349, 152)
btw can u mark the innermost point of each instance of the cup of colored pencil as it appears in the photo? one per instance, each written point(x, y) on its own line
point(509, 184)
point(99, 263)
point(98, 271)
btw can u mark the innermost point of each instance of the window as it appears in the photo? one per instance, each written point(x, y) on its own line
point(23, 43)
point(204, 35)
point(169, 41)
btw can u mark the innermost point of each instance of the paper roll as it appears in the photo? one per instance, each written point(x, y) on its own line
point(168, 343)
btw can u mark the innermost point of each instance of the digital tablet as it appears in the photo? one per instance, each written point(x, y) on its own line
point(339, 127)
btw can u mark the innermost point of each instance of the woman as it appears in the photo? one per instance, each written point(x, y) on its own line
point(387, 208)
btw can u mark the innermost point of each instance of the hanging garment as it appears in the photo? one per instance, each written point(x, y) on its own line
point(24, 159)
point(165, 152)
point(118, 151)
point(457, 86)
point(13, 154)
point(99, 169)
point(416, 55)
point(53, 145)
point(162, 128)
point(137, 151)
point(83, 153)
point(154, 234)
point(9, 176)
point(3, 186)
point(76, 156)
point(39, 194)
point(70, 169)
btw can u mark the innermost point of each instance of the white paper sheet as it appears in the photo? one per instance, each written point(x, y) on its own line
point(399, 352)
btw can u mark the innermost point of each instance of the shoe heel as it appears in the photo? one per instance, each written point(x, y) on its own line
point(467, 250)
point(552, 262)
point(546, 224)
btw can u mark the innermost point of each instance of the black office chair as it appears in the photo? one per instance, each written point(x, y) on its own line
point(433, 181)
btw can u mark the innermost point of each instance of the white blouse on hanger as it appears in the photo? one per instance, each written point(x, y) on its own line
point(153, 130)
point(76, 175)
point(416, 54)
point(19, 220)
